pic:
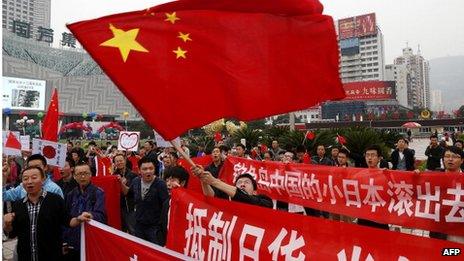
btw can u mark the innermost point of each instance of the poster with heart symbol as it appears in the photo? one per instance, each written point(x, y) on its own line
point(129, 140)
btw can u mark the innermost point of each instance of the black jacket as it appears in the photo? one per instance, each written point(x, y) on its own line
point(434, 157)
point(148, 210)
point(52, 216)
point(408, 157)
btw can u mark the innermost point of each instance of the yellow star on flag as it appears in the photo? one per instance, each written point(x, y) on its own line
point(180, 53)
point(184, 37)
point(171, 17)
point(125, 41)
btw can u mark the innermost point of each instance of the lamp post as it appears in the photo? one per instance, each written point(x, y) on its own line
point(125, 116)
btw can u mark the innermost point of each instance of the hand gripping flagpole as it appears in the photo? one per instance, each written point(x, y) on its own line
point(182, 152)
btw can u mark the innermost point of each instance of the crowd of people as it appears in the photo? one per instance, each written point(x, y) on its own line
point(45, 215)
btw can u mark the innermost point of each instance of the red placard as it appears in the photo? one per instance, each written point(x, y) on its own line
point(214, 229)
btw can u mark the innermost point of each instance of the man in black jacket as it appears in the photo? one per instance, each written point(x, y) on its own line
point(37, 220)
point(149, 193)
point(434, 152)
point(243, 191)
point(402, 158)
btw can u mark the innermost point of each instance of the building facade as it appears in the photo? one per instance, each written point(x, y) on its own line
point(411, 74)
point(361, 49)
point(36, 13)
point(436, 100)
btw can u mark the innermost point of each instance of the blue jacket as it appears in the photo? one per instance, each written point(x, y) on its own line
point(19, 192)
point(92, 201)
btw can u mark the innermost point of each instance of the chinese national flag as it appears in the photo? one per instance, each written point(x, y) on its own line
point(187, 63)
point(50, 123)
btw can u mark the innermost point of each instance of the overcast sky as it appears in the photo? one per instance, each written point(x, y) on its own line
point(437, 25)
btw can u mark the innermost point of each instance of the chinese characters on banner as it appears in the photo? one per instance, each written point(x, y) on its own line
point(215, 229)
point(429, 201)
point(102, 242)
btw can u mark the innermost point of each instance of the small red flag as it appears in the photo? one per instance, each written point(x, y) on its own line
point(12, 145)
point(50, 123)
point(230, 54)
point(310, 135)
point(12, 142)
point(217, 137)
point(307, 158)
point(340, 139)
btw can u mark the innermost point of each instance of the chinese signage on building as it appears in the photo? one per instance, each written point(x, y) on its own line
point(357, 26)
point(370, 90)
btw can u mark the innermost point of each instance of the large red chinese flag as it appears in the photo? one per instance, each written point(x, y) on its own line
point(50, 123)
point(187, 63)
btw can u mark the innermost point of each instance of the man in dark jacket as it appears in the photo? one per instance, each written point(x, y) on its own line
point(149, 193)
point(37, 220)
point(67, 182)
point(320, 157)
point(126, 202)
point(243, 191)
point(216, 165)
point(372, 157)
point(434, 152)
point(402, 158)
point(84, 202)
point(175, 177)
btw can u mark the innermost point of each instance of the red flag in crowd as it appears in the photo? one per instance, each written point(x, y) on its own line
point(50, 123)
point(340, 140)
point(12, 145)
point(217, 137)
point(310, 135)
point(112, 188)
point(103, 166)
point(229, 54)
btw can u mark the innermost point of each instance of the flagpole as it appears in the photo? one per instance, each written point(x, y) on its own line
point(40, 128)
point(182, 152)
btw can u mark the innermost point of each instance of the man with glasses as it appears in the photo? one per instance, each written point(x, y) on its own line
point(83, 203)
point(452, 159)
point(372, 156)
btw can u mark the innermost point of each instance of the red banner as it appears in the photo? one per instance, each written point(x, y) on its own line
point(430, 201)
point(214, 229)
point(112, 188)
point(101, 242)
point(369, 90)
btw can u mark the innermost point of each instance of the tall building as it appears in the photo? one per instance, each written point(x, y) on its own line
point(436, 100)
point(34, 12)
point(411, 73)
point(400, 75)
point(361, 48)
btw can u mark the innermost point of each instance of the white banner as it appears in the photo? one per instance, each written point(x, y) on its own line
point(25, 142)
point(54, 152)
point(129, 140)
point(23, 94)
